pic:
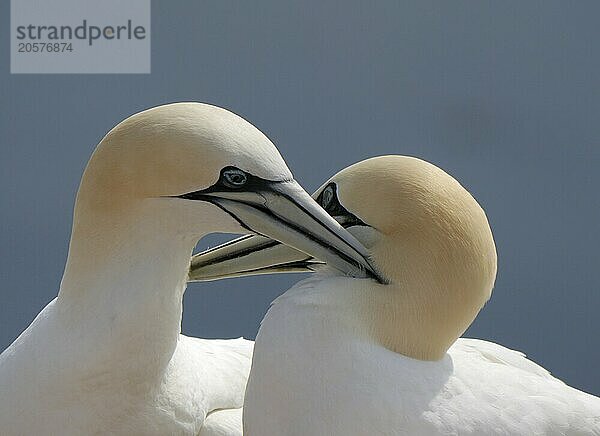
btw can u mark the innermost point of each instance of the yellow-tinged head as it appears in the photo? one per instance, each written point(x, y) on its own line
point(430, 238)
point(175, 149)
point(167, 176)
point(426, 235)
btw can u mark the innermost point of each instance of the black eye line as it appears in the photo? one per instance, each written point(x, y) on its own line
point(223, 180)
point(335, 208)
point(253, 184)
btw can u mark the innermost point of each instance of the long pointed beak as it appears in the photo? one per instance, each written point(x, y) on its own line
point(283, 212)
point(250, 255)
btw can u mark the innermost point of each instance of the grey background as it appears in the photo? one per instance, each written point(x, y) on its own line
point(503, 95)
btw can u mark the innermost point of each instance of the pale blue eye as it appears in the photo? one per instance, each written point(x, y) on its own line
point(234, 178)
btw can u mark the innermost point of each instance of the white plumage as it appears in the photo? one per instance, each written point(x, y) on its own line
point(106, 356)
point(314, 373)
point(342, 356)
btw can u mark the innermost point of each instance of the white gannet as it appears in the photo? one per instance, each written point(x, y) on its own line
point(106, 356)
point(342, 356)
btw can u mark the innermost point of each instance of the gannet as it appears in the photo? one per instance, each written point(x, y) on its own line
point(106, 356)
point(342, 356)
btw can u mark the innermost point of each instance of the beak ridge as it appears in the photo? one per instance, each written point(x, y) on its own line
point(286, 213)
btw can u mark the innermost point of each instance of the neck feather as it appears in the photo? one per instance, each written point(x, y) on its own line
point(122, 289)
point(418, 317)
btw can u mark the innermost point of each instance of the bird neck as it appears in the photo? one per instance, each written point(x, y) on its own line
point(123, 287)
point(340, 309)
point(437, 287)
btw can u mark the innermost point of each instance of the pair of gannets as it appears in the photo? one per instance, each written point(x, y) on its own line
point(360, 348)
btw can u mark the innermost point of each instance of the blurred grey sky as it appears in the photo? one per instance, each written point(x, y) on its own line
point(505, 96)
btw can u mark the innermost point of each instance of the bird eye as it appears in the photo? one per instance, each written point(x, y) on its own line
point(326, 196)
point(234, 178)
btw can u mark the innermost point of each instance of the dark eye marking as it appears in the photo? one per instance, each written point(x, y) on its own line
point(329, 201)
point(327, 196)
point(233, 177)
